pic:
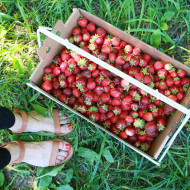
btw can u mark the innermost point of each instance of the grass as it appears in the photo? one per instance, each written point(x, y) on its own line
point(99, 161)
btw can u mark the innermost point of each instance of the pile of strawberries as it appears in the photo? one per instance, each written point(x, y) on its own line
point(107, 99)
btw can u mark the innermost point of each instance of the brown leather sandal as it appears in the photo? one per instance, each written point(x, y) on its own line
point(55, 118)
point(54, 152)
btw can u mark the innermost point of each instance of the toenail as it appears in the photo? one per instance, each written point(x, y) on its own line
point(67, 146)
point(69, 128)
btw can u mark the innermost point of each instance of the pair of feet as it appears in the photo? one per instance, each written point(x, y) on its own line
point(40, 153)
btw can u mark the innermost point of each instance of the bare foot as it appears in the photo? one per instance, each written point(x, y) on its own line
point(39, 153)
point(37, 122)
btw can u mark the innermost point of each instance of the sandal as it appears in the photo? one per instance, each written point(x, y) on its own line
point(54, 152)
point(55, 118)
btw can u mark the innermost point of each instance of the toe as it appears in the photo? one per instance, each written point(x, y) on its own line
point(62, 115)
point(64, 146)
point(62, 154)
point(57, 162)
point(64, 121)
point(66, 128)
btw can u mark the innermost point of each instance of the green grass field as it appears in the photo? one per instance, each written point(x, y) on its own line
point(99, 161)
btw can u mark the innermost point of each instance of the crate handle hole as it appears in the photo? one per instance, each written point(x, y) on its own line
point(48, 49)
point(58, 33)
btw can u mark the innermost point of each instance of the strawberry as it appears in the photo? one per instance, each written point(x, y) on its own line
point(101, 32)
point(147, 79)
point(63, 98)
point(180, 95)
point(169, 81)
point(162, 85)
point(117, 110)
point(136, 51)
point(177, 81)
point(115, 93)
point(120, 124)
point(145, 100)
point(161, 124)
point(47, 86)
point(123, 134)
point(114, 129)
point(168, 109)
point(173, 73)
point(78, 38)
point(95, 116)
point(76, 31)
point(168, 66)
point(105, 98)
point(103, 108)
point(139, 76)
point(86, 37)
point(48, 70)
point(106, 49)
point(116, 102)
point(91, 27)
point(162, 73)
point(128, 49)
point(76, 92)
point(139, 123)
point(180, 73)
point(185, 81)
point(145, 146)
point(115, 41)
point(93, 46)
point(148, 116)
point(147, 57)
point(137, 143)
point(120, 60)
point(143, 63)
point(56, 71)
point(158, 65)
point(82, 22)
point(67, 91)
point(134, 106)
point(151, 129)
point(132, 138)
point(142, 136)
point(173, 97)
point(130, 131)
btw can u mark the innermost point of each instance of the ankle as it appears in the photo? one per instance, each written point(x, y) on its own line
point(14, 151)
point(18, 123)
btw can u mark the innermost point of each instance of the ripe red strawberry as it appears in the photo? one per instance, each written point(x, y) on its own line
point(82, 22)
point(177, 81)
point(114, 129)
point(174, 89)
point(145, 100)
point(145, 146)
point(103, 108)
point(128, 48)
point(56, 71)
point(133, 70)
point(63, 98)
point(162, 85)
point(91, 27)
point(47, 86)
point(162, 73)
point(105, 98)
point(101, 32)
point(173, 73)
point(121, 124)
point(47, 77)
point(161, 124)
point(76, 31)
point(168, 66)
point(115, 41)
point(185, 81)
point(78, 38)
point(115, 92)
point(120, 60)
point(132, 138)
point(142, 136)
point(76, 92)
point(136, 51)
point(168, 109)
point(180, 95)
point(137, 143)
point(48, 70)
point(116, 102)
point(55, 85)
point(106, 49)
point(129, 119)
point(151, 129)
point(139, 76)
point(148, 116)
point(67, 91)
point(180, 73)
point(147, 57)
point(95, 116)
point(93, 46)
point(143, 63)
point(134, 106)
point(123, 135)
point(86, 37)
point(150, 69)
point(158, 65)
point(117, 110)
point(147, 79)
point(82, 108)
point(173, 97)
point(112, 57)
point(130, 131)
point(169, 81)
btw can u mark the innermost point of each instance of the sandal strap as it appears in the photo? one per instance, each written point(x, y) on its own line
point(54, 153)
point(22, 152)
point(24, 120)
point(56, 121)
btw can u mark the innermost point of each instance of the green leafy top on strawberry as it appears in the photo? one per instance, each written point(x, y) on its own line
point(139, 123)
